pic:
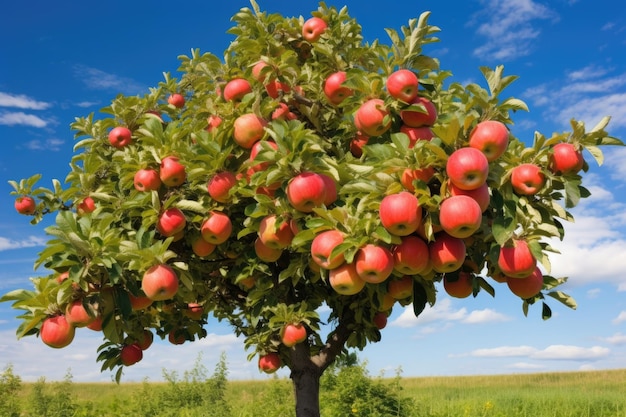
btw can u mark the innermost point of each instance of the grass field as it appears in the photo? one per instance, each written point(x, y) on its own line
point(573, 394)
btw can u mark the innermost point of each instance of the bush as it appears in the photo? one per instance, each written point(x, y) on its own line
point(58, 403)
point(10, 385)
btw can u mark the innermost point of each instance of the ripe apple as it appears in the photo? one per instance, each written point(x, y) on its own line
point(194, 311)
point(400, 288)
point(333, 89)
point(417, 133)
point(491, 137)
point(306, 191)
point(409, 175)
point(248, 128)
point(160, 282)
point(77, 315)
point(258, 147)
point(88, 205)
point(120, 137)
point(96, 324)
point(177, 100)
point(175, 337)
point(322, 246)
point(374, 263)
point(527, 179)
point(147, 337)
point(171, 222)
point(139, 302)
point(467, 168)
point(201, 247)
point(462, 287)
point(292, 334)
point(481, 194)
point(25, 205)
point(172, 172)
point(345, 280)
point(380, 320)
point(356, 144)
point(387, 303)
point(566, 159)
point(269, 363)
point(417, 118)
point(372, 118)
point(213, 122)
point(265, 253)
point(460, 216)
point(516, 259)
point(528, 286)
point(447, 253)
point(282, 112)
point(411, 256)
point(56, 332)
point(275, 235)
point(276, 88)
point(313, 28)
point(216, 228)
point(147, 180)
point(402, 85)
point(236, 89)
point(220, 184)
point(258, 72)
point(331, 189)
point(131, 354)
point(400, 213)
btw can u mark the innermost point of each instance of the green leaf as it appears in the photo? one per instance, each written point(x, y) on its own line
point(564, 299)
point(419, 299)
point(546, 312)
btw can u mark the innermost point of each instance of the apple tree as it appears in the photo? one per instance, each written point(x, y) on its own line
point(304, 168)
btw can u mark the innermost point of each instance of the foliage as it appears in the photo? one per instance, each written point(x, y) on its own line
point(10, 385)
point(106, 252)
point(52, 399)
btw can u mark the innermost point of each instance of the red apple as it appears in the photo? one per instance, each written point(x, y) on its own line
point(447, 253)
point(171, 222)
point(410, 175)
point(481, 194)
point(418, 118)
point(380, 320)
point(374, 263)
point(313, 28)
point(172, 172)
point(276, 88)
point(236, 89)
point(333, 89)
point(56, 332)
point(147, 337)
point(417, 133)
point(322, 247)
point(282, 112)
point(213, 122)
point(516, 259)
point(177, 100)
point(176, 338)
point(160, 282)
point(372, 118)
point(345, 280)
point(258, 147)
point(120, 137)
point(566, 159)
point(292, 334)
point(274, 234)
point(306, 191)
point(411, 256)
point(77, 315)
point(194, 311)
point(269, 363)
point(527, 179)
point(96, 324)
point(88, 205)
point(460, 216)
point(139, 302)
point(462, 287)
point(331, 189)
point(400, 288)
point(248, 128)
point(257, 71)
point(356, 145)
point(220, 184)
point(528, 286)
point(147, 180)
point(25, 205)
point(201, 247)
point(467, 168)
point(131, 354)
point(400, 213)
point(491, 138)
point(265, 253)
point(402, 85)
point(216, 229)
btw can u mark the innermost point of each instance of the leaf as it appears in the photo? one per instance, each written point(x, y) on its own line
point(564, 299)
point(546, 312)
point(419, 299)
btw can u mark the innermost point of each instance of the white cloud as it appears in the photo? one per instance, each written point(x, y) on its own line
point(22, 101)
point(507, 25)
point(47, 145)
point(443, 312)
point(525, 366)
point(487, 315)
point(617, 339)
point(21, 118)
point(620, 318)
point(100, 80)
point(29, 242)
point(553, 352)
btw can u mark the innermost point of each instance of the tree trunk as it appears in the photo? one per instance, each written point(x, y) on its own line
point(306, 386)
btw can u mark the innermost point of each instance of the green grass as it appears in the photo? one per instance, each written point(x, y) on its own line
point(571, 394)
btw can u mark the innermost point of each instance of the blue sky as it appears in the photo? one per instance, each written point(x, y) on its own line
point(62, 60)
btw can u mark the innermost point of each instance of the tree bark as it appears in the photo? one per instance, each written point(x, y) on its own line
point(306, 385)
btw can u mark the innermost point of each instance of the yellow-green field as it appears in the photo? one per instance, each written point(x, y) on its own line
point(572, 394)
